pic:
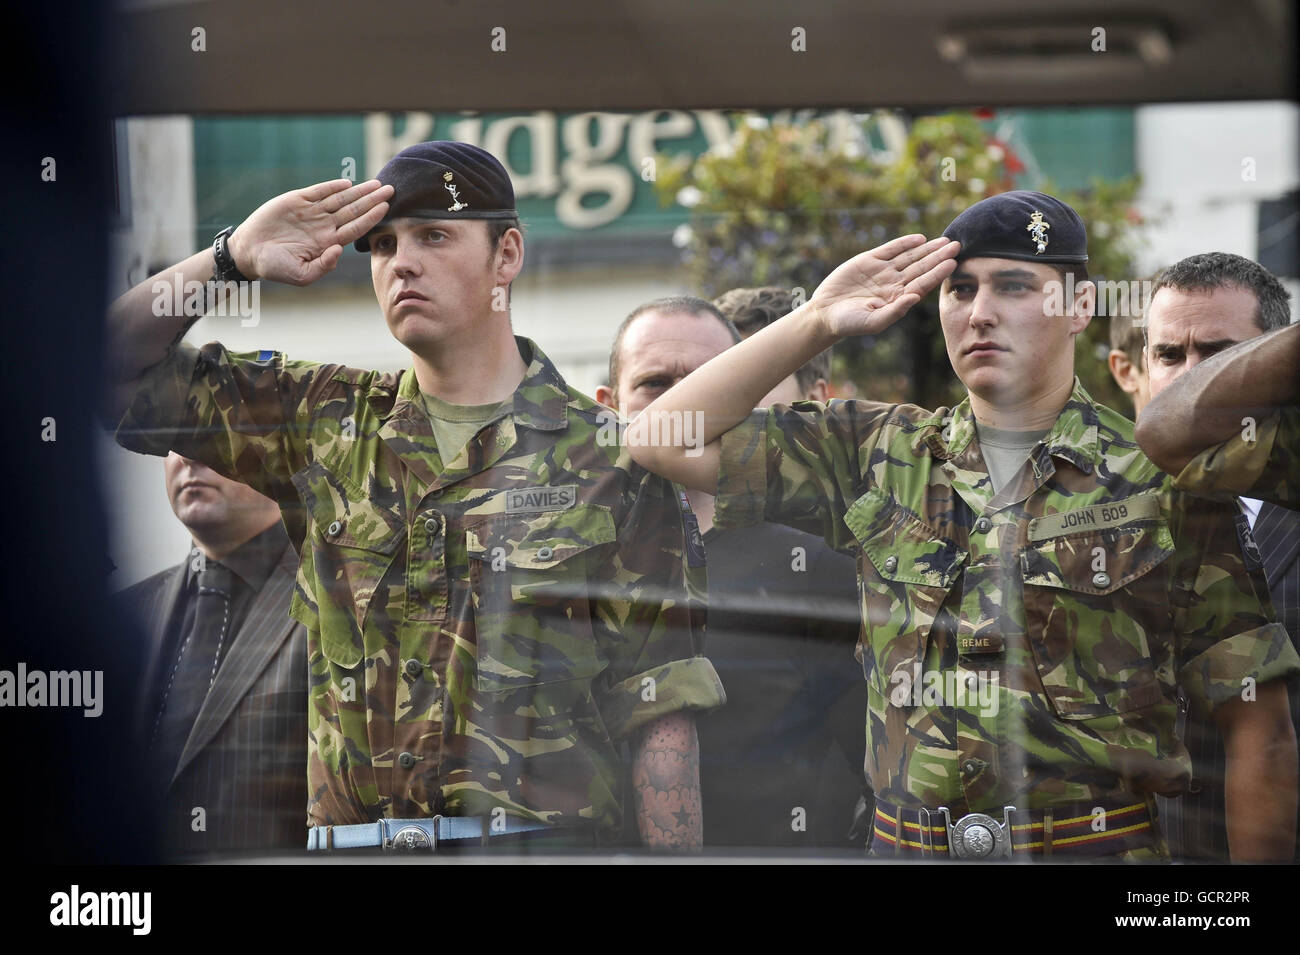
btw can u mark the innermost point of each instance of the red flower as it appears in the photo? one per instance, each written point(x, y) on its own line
point(1009, 158)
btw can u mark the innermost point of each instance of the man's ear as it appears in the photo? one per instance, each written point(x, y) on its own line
point(820, 391)
point(1123, 371)
point(1083, 307)
point(509, 257)
point(605, 395)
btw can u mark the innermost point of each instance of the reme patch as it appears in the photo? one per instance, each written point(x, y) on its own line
point(527, 500)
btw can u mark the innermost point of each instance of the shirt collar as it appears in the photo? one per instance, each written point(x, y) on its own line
point(1073, 435)
point(541, 401)
point(1250, 507)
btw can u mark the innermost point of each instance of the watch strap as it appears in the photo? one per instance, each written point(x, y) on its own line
point(227, 270)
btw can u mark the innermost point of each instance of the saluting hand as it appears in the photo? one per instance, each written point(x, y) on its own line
point(297, 237)
point(871, 291)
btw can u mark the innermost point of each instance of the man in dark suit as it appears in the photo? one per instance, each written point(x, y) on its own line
point(223, 708)
point(1201, 306)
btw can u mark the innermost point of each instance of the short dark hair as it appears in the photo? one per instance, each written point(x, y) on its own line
point(754, 308)
point(1128, 323)
point(496, 228)
point(1078, 269)
point(1208, 271)
point(1129, 336)
point(670, 305)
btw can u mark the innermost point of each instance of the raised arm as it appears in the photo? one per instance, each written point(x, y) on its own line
point(1206, 406)
point(864, 296)
point(294, 238)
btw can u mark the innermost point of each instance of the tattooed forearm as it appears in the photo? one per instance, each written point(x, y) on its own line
point(666, 778)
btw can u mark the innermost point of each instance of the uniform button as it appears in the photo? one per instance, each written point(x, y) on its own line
point(431, 525)
point(984, 525)
point(1101, 580)
point(406, 760)
point(970, 767)
point(544, 553)
point(333, 529)
point(413, 667)
point(891, 564)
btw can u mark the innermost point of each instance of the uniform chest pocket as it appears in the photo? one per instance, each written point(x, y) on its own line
point(351, 542)
point(531, 596)
point(1097, 610)
point(905, 576)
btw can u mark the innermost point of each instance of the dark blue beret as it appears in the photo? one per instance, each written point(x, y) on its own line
point(445, 180)
point(1022, 225)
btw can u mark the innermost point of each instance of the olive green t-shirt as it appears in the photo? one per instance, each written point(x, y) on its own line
point(455, 425)
point(1005, 452)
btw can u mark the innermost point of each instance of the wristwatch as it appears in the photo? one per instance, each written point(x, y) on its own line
point(227, 271)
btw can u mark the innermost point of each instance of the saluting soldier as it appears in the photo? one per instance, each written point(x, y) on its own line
point(498, 601)
point(1037, 600)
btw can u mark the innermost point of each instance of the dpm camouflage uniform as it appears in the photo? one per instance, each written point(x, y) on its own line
point(482, 633)
point(1263, 464)
point(1088, 587)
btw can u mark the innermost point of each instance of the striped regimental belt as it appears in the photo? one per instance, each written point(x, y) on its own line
point(1076, 830)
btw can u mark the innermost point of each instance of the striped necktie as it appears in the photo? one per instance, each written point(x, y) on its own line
point(196, 664)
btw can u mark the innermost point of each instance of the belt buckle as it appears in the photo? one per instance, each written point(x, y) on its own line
point(411, 838)
point(978, 835)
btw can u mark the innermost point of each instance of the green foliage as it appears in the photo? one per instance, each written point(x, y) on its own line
point(784, 206)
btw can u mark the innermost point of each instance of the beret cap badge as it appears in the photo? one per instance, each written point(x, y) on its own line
point(456, 205)
point(1037, 229)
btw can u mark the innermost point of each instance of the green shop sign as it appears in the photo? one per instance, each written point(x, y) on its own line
point(582, 173)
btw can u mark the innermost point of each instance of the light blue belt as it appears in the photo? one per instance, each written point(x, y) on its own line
point(416, 833)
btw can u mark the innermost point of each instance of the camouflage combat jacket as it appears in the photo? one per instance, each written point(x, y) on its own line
point(1078, 599)
point(484, 634)
point(1262, 462)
